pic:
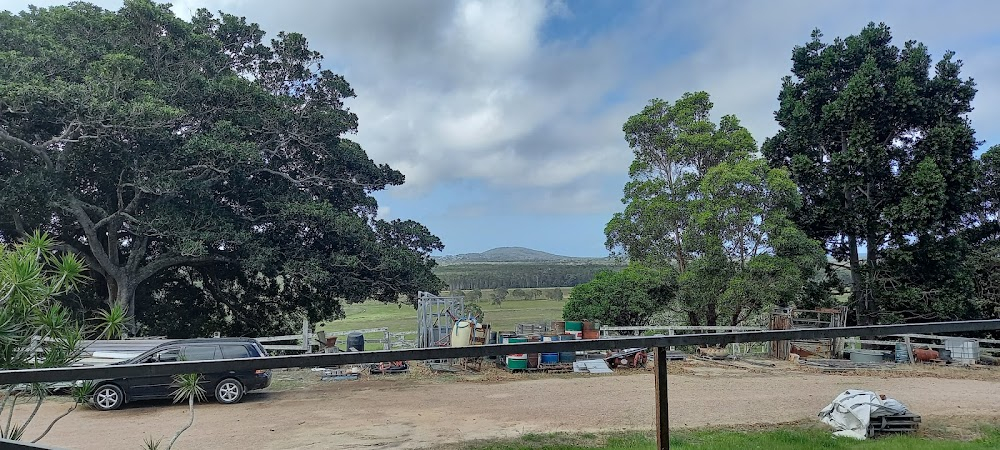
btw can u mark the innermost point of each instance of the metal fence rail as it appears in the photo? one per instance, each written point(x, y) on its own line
point(336, 359)
point(661, 343)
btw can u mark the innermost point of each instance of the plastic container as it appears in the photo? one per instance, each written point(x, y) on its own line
point(902, 355)
point(963, 351)
point(567, 357)
point(517, 360)
point(517, 363)
point(461, 334)
point(356, 341)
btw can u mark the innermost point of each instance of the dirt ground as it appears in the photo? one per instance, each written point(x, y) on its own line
point(300, 412)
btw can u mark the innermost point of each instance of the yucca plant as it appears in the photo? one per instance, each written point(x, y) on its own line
point(150, 444)
point(112, 322)
point(187, 387)
point(35, 330)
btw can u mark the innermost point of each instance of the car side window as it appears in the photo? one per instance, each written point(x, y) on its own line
point(235, 351)
point(168, 355)
point(200, 352)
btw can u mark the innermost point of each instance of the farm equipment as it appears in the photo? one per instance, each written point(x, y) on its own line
point(390, 367)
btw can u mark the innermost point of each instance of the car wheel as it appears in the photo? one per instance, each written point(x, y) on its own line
point(229, 391)
point(108, 397)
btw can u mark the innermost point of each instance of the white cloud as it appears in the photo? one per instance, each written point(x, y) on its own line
point(470, 89)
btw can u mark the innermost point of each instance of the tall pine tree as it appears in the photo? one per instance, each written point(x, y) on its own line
point(878, 141)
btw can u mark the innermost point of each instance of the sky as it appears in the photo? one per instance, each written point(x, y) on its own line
point(506, 116)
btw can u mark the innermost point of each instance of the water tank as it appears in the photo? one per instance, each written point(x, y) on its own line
point(461, 334)
point(963, 351)
point(356, 341)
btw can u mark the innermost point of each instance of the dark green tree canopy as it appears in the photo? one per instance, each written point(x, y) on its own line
point(878, 141)
point(627, 297)
point(196, 156)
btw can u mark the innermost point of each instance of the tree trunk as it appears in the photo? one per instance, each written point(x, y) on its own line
point(711, 316)
point(871, 264)
point(126, 297)
point(859, 295)
point(112, 289)
point(858, 292)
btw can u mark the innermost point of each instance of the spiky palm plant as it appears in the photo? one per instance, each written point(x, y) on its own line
point(187, 387)
point(35, 330)
point(112, 322)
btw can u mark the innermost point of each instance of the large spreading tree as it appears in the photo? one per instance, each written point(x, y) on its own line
point(878, 140)
point(198, 169)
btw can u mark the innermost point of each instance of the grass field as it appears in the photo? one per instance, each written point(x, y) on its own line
point(403, 318)
point(732, 440)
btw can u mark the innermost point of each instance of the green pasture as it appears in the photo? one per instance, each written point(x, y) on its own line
point(793, 439)
point(403, 318)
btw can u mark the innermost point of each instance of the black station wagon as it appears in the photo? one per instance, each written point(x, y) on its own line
point(225, 387)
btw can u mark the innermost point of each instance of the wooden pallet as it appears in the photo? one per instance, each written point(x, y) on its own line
point(902, 423)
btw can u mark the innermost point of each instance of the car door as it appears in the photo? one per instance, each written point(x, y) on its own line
point(203, 352)
point(155, 386)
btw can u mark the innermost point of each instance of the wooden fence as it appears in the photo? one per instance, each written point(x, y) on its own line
point(309, 341)
point(914, 340)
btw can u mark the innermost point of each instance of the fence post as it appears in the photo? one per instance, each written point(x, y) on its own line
point(662, 421)
point(306, 345)
point(388, 343)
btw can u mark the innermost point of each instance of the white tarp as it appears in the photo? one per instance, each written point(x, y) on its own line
point(851, 412)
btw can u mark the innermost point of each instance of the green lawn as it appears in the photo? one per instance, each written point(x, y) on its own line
point(402, 318)
point(732, 440)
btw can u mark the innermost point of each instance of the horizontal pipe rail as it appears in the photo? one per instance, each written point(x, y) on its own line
point(336, 359)
point(682, 328)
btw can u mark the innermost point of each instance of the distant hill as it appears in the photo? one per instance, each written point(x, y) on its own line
point(515, 255)
point(519, 267)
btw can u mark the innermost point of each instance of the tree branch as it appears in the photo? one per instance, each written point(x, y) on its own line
point(137, 252)
point(36, 149)
point(841, 265)
point(163, 263)
point(19, 224)
point(90, 230)
point(113, 216)
point(217, 294)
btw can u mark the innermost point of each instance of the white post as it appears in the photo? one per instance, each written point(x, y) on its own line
point(306, 345)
